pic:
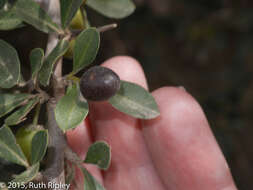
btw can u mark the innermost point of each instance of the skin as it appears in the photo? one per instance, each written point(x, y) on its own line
point(175, 151)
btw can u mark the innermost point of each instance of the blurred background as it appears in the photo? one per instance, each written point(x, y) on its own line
point(205, 46)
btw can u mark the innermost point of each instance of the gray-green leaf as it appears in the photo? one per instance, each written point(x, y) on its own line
point(19, 116)
point(27, 175)
point(112, 8)
point(10, 101)
point(70, 111)
point(39, 146)
point(134, 100)
point(9, 65)
point(9, 21)
point(90, 183)
point(36, 60)
point(47, 67)
point(99, 153)
point(68, 10)
point(9, 149)
point(85, 49)
point(30, 12)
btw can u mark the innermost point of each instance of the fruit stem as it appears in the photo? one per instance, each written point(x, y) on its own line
point(73, 78)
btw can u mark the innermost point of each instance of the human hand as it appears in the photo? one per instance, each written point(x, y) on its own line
point(176, 150)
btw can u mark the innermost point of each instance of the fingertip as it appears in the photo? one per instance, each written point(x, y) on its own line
point(173, 102)
point(182, 144)
point(176, 101)
point(128, 69)
point(174, 95)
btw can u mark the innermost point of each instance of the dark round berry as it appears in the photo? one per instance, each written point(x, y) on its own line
point(99, 83)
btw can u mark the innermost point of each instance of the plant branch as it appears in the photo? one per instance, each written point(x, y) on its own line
point(54, 171)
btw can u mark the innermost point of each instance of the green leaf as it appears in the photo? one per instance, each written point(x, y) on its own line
point(24, 136)
point(47, 67)
point(9, 149)
point(90, 183)
point(30, 12)
point(9, 65)
point(19, 116)
point(112, 8)
point(68, 10)
point(70, 111)
point(10, 101)
point(99, 153)
point(85, 49)
point(27, 175)
point(134, 100)
point(39, 146)
point(36, 60)
point(9, 21)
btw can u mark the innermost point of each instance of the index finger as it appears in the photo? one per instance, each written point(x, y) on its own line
point(131, 166)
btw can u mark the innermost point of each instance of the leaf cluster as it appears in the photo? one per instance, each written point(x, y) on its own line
point(28, 146)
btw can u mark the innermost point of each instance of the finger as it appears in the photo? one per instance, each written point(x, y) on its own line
point(131, 167)
point(182, 145)
point(79, 139)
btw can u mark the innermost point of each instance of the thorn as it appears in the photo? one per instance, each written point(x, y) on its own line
point(107, 27)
